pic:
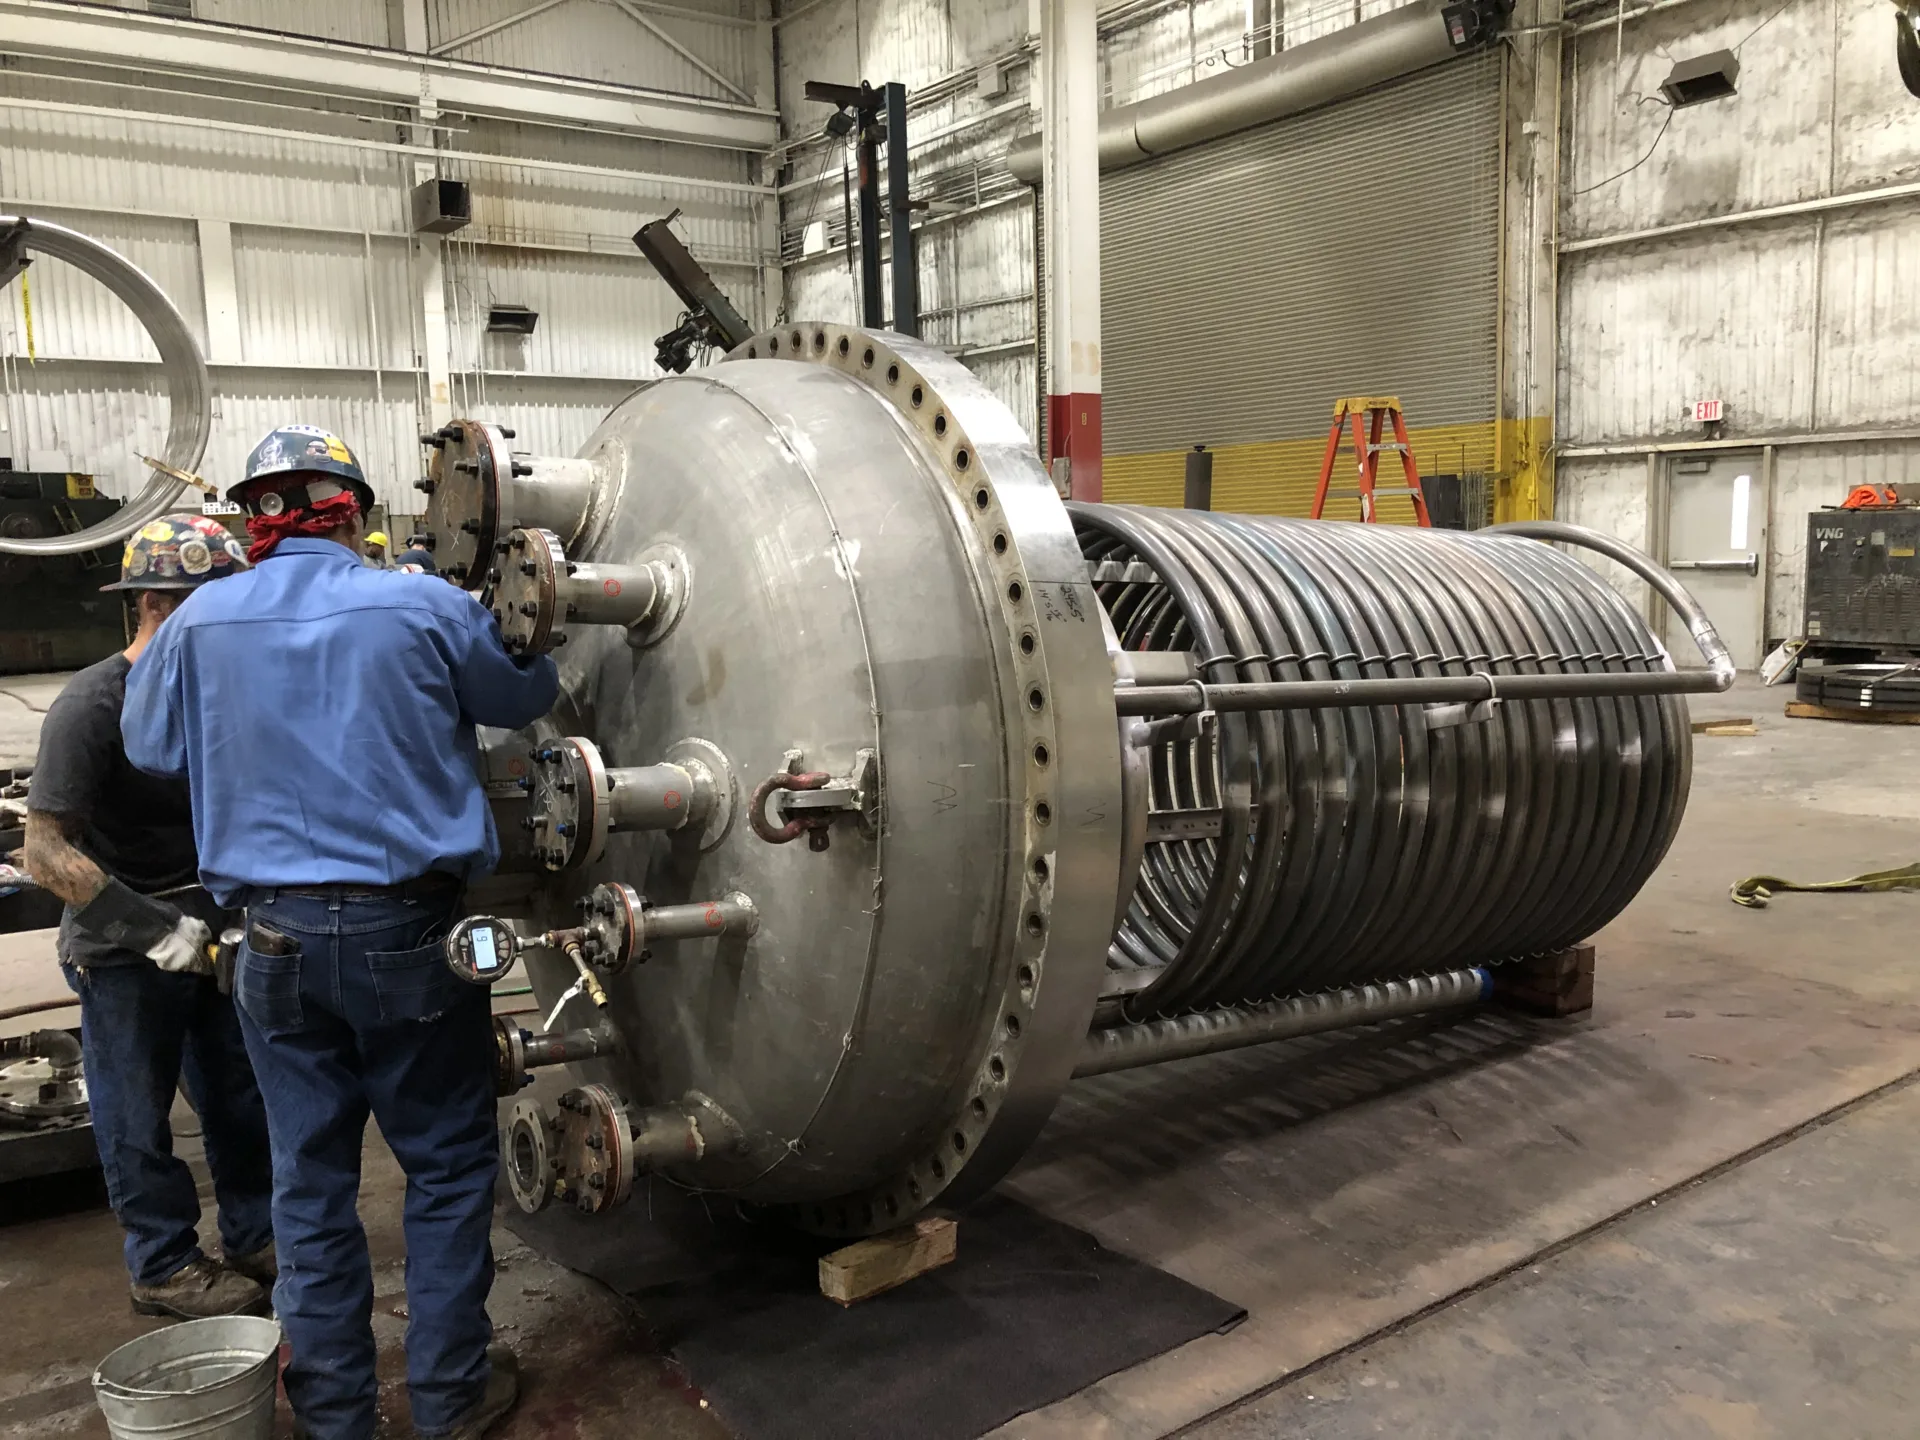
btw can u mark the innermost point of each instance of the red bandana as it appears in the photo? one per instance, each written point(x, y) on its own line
point(267, 531)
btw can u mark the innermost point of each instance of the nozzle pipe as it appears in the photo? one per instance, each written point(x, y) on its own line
point(58, 1048)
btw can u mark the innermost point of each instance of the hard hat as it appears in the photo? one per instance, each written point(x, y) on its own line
point(379, 537)
point(178, 552)
point(297, 452)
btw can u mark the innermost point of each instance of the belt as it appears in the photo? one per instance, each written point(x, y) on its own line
point(432, 885)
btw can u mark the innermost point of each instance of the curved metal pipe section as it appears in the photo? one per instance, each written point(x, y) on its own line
point(1302, 850)
point(1178, 1037)
point(58, 1048)
point(189, 389)
point(1316, 73)
point(1712, 648)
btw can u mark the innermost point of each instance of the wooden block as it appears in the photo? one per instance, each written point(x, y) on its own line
point(1742, 726)
point(1554, 985)
point(871, 1266)
point(1801, 710)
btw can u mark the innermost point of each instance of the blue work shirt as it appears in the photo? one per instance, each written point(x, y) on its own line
point(322, 713)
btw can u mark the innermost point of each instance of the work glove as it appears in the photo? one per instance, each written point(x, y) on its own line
point(122, 916)
point(183, 949)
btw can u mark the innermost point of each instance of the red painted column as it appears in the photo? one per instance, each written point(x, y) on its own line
point(1070, 190)
point(1073, 430)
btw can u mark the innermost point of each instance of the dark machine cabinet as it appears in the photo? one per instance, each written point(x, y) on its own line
point(52, 614)
point(1863, 579)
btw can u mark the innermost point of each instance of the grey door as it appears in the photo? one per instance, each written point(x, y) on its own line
point(1717, 546)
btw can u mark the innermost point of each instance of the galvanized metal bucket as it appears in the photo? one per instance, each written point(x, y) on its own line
point(200, 1380)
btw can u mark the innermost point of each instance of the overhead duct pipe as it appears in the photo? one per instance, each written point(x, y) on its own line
point(1316, 73)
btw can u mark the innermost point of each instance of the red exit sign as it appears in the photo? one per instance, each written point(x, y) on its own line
point(1708, 411)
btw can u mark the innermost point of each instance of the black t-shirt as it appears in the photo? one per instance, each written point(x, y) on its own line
point(137, 827)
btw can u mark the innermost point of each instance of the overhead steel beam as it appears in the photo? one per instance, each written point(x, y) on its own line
point(672, 183)
point(81, 36)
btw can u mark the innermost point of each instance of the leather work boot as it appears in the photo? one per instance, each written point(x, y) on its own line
point(199, 1289)
point(503, 1389)
point(259, 1267)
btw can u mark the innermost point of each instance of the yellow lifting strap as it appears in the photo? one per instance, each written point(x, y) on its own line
point(1755, 891)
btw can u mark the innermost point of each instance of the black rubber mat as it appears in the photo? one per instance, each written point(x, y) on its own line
point(1029, 1312)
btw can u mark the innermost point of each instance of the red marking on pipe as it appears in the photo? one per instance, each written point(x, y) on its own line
point(671, 800)
point(713, 917)
point(609, 588)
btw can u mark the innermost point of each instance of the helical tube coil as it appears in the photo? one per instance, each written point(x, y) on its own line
point(1365, 844)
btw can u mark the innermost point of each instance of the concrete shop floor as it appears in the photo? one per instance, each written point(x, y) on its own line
point(1688, 1214)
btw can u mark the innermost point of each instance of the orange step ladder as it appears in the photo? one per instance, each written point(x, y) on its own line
point(1366, 414)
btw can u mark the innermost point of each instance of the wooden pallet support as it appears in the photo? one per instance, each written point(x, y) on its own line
point(1554, 985)
point(871, 1266)
point(1805, 710)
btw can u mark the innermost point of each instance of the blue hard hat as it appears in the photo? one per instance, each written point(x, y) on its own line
point(178, 552)
point(300, 453)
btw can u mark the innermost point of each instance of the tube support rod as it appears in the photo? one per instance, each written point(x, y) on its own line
point(1195, 697)
point(1123, 1047)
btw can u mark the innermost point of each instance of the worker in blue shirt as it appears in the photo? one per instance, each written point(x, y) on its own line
point(323, 714)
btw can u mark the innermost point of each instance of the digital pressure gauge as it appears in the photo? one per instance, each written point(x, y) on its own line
point(481, 948)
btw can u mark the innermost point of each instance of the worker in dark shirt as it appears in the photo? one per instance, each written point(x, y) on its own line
point(290, 697)
point(416, 559)
point(117, 845)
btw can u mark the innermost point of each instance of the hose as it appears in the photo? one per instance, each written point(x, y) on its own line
point(1355, 845)
point(189, 389)
point(38, 1007)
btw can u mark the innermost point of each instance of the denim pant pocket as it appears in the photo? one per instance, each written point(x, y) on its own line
point(268, 988)
point(413, 984)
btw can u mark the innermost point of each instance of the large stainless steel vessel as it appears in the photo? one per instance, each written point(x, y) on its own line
point(886, 792)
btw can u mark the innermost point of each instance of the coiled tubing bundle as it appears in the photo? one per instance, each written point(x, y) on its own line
point(1366, 844)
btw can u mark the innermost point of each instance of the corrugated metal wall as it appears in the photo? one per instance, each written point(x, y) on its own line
point(976, 242)
point(1802, 324)
point(360, 22)
point(327, 280)
point(596, 40)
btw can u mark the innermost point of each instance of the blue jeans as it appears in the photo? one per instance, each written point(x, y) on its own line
point(144, 1031)
point(368, 1019)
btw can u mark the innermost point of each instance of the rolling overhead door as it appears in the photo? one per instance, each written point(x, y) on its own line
point(1248, 283)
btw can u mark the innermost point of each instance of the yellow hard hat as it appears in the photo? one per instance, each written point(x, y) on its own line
point(378, 537)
